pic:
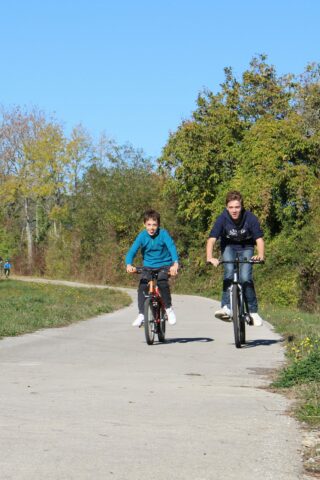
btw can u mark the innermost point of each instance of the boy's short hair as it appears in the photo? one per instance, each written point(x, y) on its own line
point(234, 195)
point(151, 214)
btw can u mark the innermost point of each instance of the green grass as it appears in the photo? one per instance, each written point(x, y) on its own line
point(292, 323)
point(301, 376)
point(308, 406)
point(300, 371)
point(27, 307)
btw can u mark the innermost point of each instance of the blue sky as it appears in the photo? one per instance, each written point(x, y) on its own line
point(133, 69)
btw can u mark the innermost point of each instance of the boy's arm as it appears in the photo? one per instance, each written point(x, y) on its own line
point(260, 249)
point(174, 254)
point(210, 244)
point(258, 236)
point(171, 247)
point(215, 233)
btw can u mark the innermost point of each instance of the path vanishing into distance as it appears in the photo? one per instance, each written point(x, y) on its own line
point(92, 401)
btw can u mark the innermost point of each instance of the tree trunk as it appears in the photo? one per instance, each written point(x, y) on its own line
point(37, 223)
point(55, 228)
point(28, 235)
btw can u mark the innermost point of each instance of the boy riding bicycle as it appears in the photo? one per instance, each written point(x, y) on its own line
point(158, 251)
point(239, 231)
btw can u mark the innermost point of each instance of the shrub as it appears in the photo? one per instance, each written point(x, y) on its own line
point(301, 371)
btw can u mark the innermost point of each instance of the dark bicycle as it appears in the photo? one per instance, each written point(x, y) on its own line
point(155, 316)
point(238, 303)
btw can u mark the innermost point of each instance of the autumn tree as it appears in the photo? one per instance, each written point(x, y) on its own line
point(32, 163)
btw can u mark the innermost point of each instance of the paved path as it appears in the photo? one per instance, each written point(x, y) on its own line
point(92, 401)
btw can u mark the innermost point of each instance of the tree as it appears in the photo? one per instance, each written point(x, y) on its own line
point(262, 92)
point(113, 194)
point(201, 156)
point(79, 151)
point(32, 164)
point(261, 136)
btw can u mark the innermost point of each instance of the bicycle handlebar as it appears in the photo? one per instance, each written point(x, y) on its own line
point(242, 261)
point(151, 269)
point(237, 261)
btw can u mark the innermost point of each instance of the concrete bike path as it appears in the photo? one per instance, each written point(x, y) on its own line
point(92, 401)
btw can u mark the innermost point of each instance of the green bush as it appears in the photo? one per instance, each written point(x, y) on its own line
point(302, 371)
point(277, 286)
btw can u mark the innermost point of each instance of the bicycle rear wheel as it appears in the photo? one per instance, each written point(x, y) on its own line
point(162, 326)
point(236, 316)
point(149, 321)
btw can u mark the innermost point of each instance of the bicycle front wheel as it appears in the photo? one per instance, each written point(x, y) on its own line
point(162, 326)
point(242, 329)
point(236, 317)
point(149, 321)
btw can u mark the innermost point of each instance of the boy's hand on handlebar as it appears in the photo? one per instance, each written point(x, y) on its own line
point(174, 269)
point(215, 261)
point(257, 258)
point(131, 269)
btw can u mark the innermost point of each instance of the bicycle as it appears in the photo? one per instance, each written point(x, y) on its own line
point(238, 304)
point(155, 316)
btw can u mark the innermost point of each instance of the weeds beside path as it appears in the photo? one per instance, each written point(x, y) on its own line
point(32, 304)
point(300, 378)
point(301, 375)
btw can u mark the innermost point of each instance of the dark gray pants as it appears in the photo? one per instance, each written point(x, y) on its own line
point(163, 284)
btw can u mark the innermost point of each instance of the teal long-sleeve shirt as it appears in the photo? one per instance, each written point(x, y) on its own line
point(158, 250)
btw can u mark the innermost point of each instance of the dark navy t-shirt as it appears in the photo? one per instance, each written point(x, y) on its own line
point(239, 235)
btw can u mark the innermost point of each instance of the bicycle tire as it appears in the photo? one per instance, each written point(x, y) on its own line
point(236, 317)
point(242, 329)
point(162, 326)
point(149, 321)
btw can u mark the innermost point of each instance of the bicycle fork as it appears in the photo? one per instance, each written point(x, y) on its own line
point(242, 301)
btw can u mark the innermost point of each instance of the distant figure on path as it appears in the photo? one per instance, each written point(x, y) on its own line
point(7, 268)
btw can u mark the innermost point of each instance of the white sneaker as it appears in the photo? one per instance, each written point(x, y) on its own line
point(257, 320)
point(171, 316)
point(223, 314)
point(138, 321)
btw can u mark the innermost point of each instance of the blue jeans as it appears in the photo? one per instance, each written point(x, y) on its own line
point(246, 277)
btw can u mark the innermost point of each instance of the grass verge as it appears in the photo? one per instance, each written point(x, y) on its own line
point(27, 307)
point(301, 375)
point(300, 378)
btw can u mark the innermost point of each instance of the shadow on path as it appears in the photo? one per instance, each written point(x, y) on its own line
point(261, 343)
point(188, 340)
